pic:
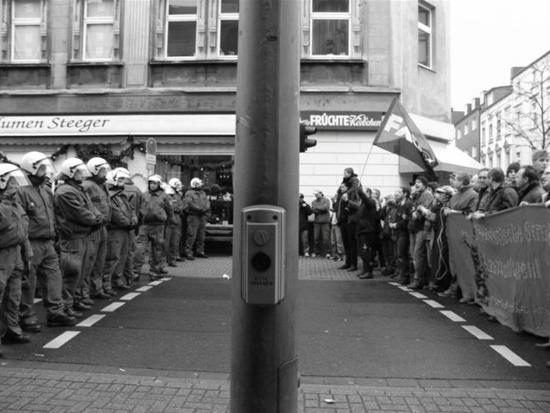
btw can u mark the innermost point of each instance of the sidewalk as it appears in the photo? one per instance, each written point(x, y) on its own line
point(45, 387)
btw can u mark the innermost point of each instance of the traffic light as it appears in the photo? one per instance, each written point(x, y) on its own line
point(305, 142)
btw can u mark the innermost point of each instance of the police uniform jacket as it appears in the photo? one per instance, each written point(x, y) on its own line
point(176, 201)
point(75, 214)
point(14, 223)
point(99, 195)
point(155, 208)
point(122, 215)
point(196, 202)
point(37, 201)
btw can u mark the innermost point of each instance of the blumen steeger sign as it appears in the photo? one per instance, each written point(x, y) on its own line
point(323, 120)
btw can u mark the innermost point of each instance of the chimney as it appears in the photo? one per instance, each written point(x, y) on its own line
point(515, 70)
point(468, 108)
point(476, 103)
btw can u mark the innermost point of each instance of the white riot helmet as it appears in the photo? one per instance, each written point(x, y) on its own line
point(71, 166)
point(155, 178)
point(121, 173)
point(196, 183)
point(9, 172)
point(110, 178)
point(95, 165)
point(168, 190)
point(36, 162)
point(175, 183)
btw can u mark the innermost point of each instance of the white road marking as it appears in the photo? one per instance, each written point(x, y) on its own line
point(90, 321)
point(477, 333)
point(417, 295)
point(403, 288)
point(434, 304)
point(61, 339)
point(129, 296)
point(453, 316)
point(166, 279)
point(510, 356)
point(394, 284)
point(112, 307)
point(37, 300)
point(156, 282)
point(144, 288)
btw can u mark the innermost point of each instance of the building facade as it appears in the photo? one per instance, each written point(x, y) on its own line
point(467, 136)
point(100, 77)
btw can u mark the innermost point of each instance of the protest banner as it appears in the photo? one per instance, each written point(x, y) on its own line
point(460, 239)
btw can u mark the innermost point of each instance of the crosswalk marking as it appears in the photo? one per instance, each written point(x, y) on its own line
point(129, 296)
point(453, 316)
point(417, 295)
point(90, 321)
point(112, 307)
point(62, 339)
point(476, 332)
point(433, 304)
point(144, 288)
point(156, 282)
point(510, 356)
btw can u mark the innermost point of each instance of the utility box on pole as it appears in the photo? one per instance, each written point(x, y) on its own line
point(264, 366)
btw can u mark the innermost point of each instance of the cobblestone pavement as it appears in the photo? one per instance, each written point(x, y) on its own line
point(30, 386)
point(44, 387)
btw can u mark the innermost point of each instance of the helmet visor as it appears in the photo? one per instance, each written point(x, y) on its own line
point(14, 179)
point(45, 167)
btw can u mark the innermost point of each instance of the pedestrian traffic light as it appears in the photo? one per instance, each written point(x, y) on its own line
point(305, 131)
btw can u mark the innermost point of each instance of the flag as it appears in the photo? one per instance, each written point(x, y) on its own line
point(398, 134)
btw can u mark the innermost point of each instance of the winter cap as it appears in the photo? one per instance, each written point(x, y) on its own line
point(349, 171)
point(446, 189)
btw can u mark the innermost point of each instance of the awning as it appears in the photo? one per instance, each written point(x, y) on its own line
point(450, 158)
point(432, 128)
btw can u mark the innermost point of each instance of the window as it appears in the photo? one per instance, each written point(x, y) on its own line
point(330, 28)
point(96, 33)
point(425, 39)
point(26, 39)
point(466, 129)
point(483, 135)
point(181, 28)
point(458, 133)
point(474, 152)
point(474, 125)
point(228, 28)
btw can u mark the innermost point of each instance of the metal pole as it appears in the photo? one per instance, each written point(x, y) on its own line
point(264, 370)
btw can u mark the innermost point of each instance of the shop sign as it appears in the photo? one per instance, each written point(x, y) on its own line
point(343, 120)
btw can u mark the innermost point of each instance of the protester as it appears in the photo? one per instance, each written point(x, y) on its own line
point(37, 201)
point(387, 214)
point(197, 208)
point(368, 228)
point(76, 218)
point(399, 227)
point(14, 248)
point(540, 161)
point(511, 174)
point(304, 213)
point(321, 225)
point(96, 248)
point(349, 205)
point(336, 243)
point(500, 197)
point(421, 197)
point(528, 186)
point(482, 188)
point(154, 213)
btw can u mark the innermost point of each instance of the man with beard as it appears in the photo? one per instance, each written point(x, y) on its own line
point(37, 201)
point(75, 218)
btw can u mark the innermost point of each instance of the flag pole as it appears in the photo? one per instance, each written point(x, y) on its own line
point(366, 161)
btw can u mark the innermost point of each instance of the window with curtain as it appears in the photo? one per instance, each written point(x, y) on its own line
point(23, 31)
point(425, 37)
point(228, 28)
point(181, 28)
point(330, 28)
point(96, 34)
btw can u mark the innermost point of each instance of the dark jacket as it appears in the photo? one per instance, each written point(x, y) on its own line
point(176, 202)
point(155, 208)
point(482, 199)
point(99, 195)
point(465, 200)
point(135, 197)
point(501, 198)
point(14, 223)
point(369, 221)
point(37, 201)
point(75, 214)
point(402, 216)
point(122, 213)
point(388, 214)
point(305, 212)
point(531, 193)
